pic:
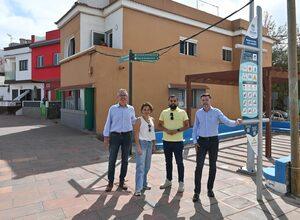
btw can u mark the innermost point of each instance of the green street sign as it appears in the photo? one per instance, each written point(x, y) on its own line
point(124, 59)
point(146, 57)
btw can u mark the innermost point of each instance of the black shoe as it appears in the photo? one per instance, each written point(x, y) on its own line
point(196, 197)
point(109, 187)
point(210, 193)
point(123, 186)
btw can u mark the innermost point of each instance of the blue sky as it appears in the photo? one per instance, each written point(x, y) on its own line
point(21, 18)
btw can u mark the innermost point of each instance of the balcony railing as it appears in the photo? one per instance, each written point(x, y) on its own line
point(10, 75)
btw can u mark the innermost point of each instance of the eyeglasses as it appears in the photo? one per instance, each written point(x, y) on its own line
point(171, 116)
point(149, 127)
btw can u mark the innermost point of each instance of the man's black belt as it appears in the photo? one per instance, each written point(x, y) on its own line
point(120, 133)
point(212, 138)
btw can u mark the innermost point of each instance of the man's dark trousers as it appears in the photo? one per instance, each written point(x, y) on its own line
point(169, 149)
point(210, 145)
point(115, 141)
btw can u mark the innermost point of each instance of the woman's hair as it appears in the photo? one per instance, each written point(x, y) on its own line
point(147, 104)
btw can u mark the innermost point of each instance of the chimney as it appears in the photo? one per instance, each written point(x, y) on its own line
point(32, 38)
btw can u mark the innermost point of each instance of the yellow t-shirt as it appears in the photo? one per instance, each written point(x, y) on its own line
point(179, 116)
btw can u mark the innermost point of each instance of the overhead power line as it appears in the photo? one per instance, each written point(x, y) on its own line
point(166, 49)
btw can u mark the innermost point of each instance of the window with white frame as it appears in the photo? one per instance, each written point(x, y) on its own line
point(188, 47)
point(109, 38)
point(56, 59)
point(40, 62)
point(98, 38)
point(227, 54)
point(71, 47)
point(23, 65)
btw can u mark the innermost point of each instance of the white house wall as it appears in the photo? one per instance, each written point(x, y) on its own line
point(22, 86)
point(89, 23)
point(21, 54)
point(23, 75)
point(114, 22)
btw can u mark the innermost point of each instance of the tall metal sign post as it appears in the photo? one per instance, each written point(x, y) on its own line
point(248, 86)
point(251, 93)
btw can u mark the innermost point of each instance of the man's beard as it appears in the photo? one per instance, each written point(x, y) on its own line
point(173, 106)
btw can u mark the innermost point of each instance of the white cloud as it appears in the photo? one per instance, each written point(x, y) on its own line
point(38, 17)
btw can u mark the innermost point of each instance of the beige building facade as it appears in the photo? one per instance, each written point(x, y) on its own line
point(90, 33)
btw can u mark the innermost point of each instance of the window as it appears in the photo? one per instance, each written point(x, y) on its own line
point(56, 59)
point(227, 54)
point(109, 38)
point(188, 47)
point(40, 61)
point(196, 96)
point(180, 94)
point(98, 38)
point(73, 100)
point(71, 47)
point(23, 65)
point(15, 93)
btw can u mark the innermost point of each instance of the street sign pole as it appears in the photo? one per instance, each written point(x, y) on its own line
point(130, 75)
point(260, 107)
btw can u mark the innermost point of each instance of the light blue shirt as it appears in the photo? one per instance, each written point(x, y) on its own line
point(119, 119)
point(207, 123)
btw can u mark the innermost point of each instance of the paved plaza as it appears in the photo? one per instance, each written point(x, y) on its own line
point(48, 171)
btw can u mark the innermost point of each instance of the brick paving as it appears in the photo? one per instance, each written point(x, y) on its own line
point(48, 171)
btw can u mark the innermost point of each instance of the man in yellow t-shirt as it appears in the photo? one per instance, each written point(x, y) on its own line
point(173, 121)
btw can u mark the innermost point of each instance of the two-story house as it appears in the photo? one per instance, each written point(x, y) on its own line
point(18, 72)
point(45, 53)
point(4, 89)
point(95, 33)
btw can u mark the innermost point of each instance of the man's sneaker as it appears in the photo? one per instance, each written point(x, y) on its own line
point(196, 197)
point(146, 187)
point(181, 187)
point(137, 193)
point(167, 184)
point(123, 186)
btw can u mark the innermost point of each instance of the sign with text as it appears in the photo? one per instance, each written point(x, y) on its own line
point(248, 87)
point(141, 57)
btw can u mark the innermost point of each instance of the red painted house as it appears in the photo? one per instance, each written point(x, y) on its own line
point(45, 62)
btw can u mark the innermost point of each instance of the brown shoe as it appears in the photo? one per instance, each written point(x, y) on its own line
point(123, 186)
point(109, 187)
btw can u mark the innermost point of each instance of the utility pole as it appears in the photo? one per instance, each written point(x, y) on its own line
point(293, 97)
point(259, 185)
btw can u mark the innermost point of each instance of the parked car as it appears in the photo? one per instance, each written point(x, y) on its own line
point(278, 115)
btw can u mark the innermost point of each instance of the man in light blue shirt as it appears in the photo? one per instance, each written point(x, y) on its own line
point(205, 138)
point(117, 132)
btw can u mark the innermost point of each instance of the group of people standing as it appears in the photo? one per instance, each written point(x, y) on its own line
point(173, 121)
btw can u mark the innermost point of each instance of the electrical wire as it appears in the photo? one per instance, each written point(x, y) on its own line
point(166, 49)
